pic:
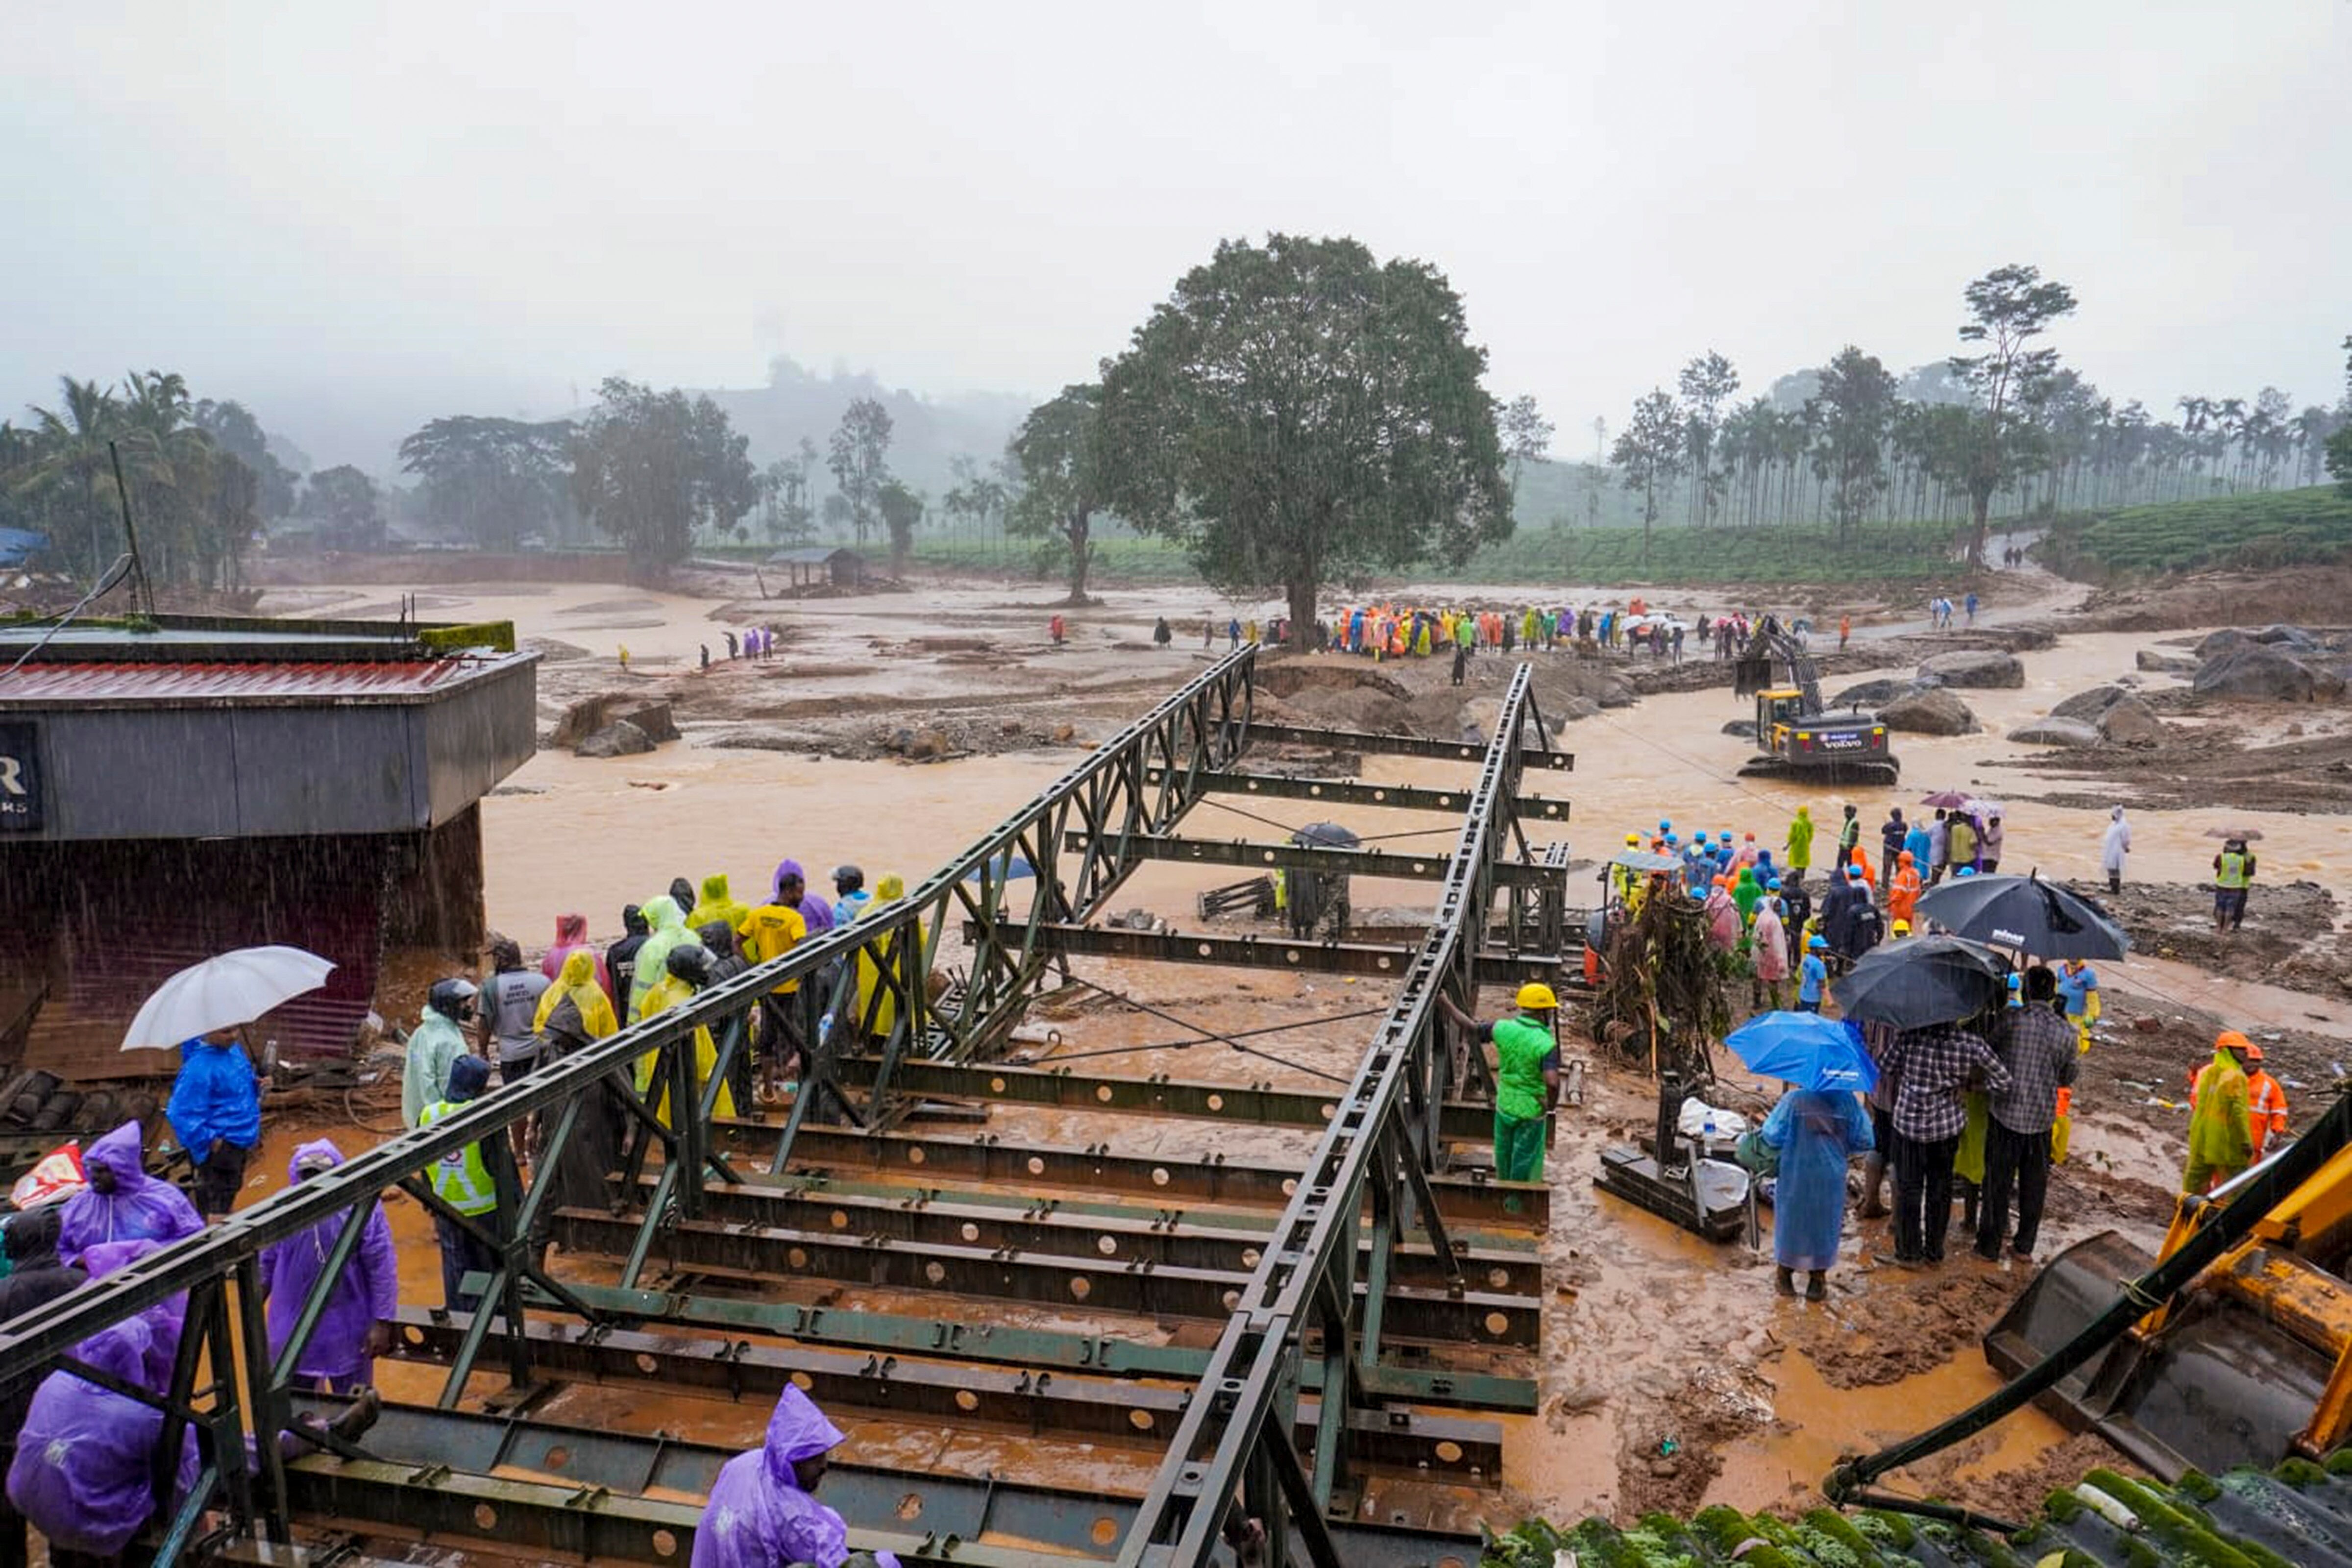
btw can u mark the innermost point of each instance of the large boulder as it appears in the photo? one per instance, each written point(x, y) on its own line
point(652, 718)
point(1872, 694)
point(1975, 667)
point(2292, 637)
point(2261, 673)
point(2131, 723)
point(2217, 643)
point(2088, 705)
point(2156, 663)
point(1743, 728)
point(2056, 733)
point(1931, 713)
point(590, 714)
point(618, 738)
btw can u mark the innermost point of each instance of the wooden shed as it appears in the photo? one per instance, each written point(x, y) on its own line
point(821, 564)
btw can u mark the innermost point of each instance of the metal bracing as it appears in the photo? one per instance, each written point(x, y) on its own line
point(1235, 1447)
point(1315, 956)
point(1356, 791)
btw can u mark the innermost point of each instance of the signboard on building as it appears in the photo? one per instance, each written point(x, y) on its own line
point(20, 778)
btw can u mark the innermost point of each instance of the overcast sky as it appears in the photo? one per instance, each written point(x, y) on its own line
point(357, 215)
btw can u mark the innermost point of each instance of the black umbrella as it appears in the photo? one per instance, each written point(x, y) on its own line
point(2025, 914)
point(1325, 836)
point(1922, 980)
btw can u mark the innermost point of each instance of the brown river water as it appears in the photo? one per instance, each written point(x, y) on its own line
point(1640, 1308)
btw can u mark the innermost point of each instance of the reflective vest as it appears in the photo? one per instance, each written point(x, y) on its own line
point(460, 1179)
point(2232, 872)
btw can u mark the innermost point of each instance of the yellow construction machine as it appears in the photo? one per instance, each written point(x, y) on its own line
point(2249, 1360)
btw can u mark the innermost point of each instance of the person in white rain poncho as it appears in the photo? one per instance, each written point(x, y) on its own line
point(2114, 847)
point(439, 1039)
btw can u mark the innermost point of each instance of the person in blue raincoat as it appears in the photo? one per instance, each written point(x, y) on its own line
point(122, 1202)
point(216, 1110)
point(763, 1510)
point(1816, 1132)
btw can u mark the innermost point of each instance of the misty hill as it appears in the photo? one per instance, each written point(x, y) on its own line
point(926, 432)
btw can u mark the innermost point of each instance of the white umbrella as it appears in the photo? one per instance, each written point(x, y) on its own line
point(234, 988)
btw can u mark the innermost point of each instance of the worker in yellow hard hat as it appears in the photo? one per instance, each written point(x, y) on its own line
point(1527, 1079)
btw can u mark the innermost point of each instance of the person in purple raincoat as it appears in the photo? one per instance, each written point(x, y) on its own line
point(83, 1471)
point(761, 1511)
point(122, 1202)
point(356, 1326)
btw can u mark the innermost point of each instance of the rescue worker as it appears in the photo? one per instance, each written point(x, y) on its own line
point(877, 1013)
point(2078, 992)
point(764, 1511)
point(462, 1179)
point(667, 917)
point(772, 931)
point(1848, 835)
point(2265, 1100)
point(508, 1032)
point(1801, 842)
point(1892, 835)
point(437, 1041)
point(579, 980)
point(356, 1327)
point(1745, 892)
point(1526, 1077)
point(850, 895)
point(621, 958)
point(717, 904)
point(1723, 923)
point(1903, 890)
point(122, 1202)
point(216, 1112)
point(1770, 952)
point(2221, 1129)
point(2233, 869)
point(1814, 976)
point(690, 970)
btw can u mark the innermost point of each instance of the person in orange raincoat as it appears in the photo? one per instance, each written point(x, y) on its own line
point(1903, 893)
point(1860, 857)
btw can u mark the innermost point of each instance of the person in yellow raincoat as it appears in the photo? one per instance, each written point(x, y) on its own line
point(716, 904)
point(883, 1011)
point(2221, 1129)
point(687, 971)
point(577, 980)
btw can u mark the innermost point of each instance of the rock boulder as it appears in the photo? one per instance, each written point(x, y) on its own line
point(2217, 643)
point(2056, 733)
point(1931, 713)
point(2156, 663)
point(584, 718)
point(1979, 667)
point(2261, 673)
point(1873, 694)
point(2088, 705)
point(618, 738)
point(2130, 722)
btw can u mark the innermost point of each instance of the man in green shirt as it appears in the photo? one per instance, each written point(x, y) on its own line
point(1527, 1079)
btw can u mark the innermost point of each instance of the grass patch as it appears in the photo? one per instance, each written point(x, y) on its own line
point(2276, 528)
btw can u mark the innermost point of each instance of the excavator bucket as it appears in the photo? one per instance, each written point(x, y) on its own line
point(1751, 673)
point(2224, 1382)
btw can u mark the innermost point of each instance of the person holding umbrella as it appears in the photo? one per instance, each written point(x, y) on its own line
point(1526, 1077)
point(1816, 1129)
point(216, 1110)
point(2233, 872)
point(1934, 1065)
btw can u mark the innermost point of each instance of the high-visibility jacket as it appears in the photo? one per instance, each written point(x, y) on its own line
point(2231, 869)
point(460, 1179)
point(2265, 1104)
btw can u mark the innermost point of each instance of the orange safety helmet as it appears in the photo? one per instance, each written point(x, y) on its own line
point(2231, 1040)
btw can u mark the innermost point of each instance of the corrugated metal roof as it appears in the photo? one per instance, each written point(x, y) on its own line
point(177, 683)
point(812, 555)
point(2300, 1513)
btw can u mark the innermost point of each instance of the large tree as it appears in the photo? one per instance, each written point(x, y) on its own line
point(859, 457)
point(2008, 308)
point(236, 431)
point(1058, 449)
point(649, 468)
point(494, 481)
point(1297, 412)
point(1707, 383)
point(902, 512)
point(345, 503)
point(1526, 438)
point(1852, 414)
point(1650, 452)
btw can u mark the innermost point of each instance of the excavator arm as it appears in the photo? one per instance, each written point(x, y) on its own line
point(1766, 646)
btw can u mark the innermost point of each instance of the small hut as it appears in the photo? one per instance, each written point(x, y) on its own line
point(821, 565)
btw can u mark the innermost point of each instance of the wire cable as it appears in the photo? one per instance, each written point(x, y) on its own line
point(1209, 1034)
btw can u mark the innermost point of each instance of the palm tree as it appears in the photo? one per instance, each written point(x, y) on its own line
point(73, 455)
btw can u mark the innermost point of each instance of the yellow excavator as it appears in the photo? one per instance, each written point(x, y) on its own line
point(1795, 736)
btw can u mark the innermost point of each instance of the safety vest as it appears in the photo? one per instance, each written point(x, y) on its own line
point(2232, 872)
point(460, 1179)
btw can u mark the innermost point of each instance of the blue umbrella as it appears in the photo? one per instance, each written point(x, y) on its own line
point(1009, 867)
point(1805, 1049)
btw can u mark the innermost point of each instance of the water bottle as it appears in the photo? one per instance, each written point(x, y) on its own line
point(1707, 1133)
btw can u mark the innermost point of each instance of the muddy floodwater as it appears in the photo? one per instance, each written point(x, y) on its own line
point(1671, 1373)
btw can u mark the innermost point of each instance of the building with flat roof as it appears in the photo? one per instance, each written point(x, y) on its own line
point(174, 786)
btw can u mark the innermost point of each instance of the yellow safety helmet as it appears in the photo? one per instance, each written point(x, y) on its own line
point(1634, 839)
point(1536, 997)
point(1901, 927)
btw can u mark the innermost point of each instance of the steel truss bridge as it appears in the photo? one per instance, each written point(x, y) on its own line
point(1326, 1286)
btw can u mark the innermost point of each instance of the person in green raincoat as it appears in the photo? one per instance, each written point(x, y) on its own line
point(2221, 1129)
point(717, 904)
point(1527, 1079)
point(1746, 894)
point(1800, 841)
point(669, 930)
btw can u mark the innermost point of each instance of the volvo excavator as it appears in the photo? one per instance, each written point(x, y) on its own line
point(1794, 738)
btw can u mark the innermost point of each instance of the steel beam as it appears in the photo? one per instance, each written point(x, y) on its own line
point(1403, 865)
point(1472, 1198)
point(1097, 1408)
point(990, 1344)
point(429, 1477)
point(1355, 791)
point(1463, 1121)
point(1315, 957)
point(1401, 745)
point(1094, 1233)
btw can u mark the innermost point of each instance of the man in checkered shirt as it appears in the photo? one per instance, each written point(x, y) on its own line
point(1933, 1066)
point(2039, 1047)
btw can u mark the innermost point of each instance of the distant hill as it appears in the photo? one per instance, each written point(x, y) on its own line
point(926, 432)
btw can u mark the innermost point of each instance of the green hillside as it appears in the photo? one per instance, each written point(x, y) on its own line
point(2277, 528)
